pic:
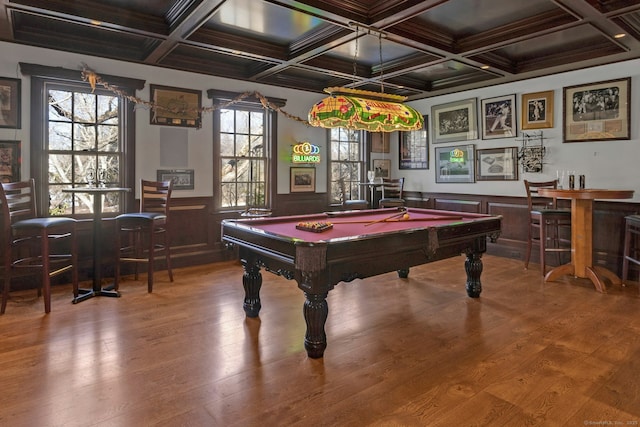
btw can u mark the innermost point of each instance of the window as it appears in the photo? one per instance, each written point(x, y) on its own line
point(244, 151)
point(77, 130)
point(243, 161)
point(82, 145)
point(347, 162)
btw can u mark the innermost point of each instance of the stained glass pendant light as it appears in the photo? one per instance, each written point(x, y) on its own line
point(364, 110)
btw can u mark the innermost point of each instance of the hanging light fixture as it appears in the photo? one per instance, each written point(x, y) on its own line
point(365, 110)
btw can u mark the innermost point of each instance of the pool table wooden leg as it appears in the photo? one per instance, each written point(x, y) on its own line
point(315, 311)
point(252, 282)
point(473, 267)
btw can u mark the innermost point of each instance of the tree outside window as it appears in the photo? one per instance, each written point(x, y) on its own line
point(347, 162)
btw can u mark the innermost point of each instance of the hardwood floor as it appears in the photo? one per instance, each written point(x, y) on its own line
point(410, 352)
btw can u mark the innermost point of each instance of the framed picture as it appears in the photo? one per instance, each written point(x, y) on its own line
point(380, 142)
point(499, 117)
point(537, 110)
point(455, 121)
point(182, 178)
point(10, 161)
point(597, 111)
point(303, 180)
point(176, 106)
point(455, 164)
point(497, 164)
point(10, 102)
point(382, 168)
point(414, 148)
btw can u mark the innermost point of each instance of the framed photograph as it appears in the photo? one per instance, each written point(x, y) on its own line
point(455, 164)
point(10, 102)
point(182, 178)
point(537, 110)
point(455, 121)
point(597, 112)
point(10, 161)
point(303, 180)
point(497, 164)
point(382, 168)
point(380, 142)
point(176, 106)
point(499, 117)
point(414, 148)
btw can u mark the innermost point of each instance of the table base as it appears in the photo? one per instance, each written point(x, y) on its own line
point(85, 294)
point(596, 274)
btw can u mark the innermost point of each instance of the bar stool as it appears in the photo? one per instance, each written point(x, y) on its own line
point(147, 231)
point(631, 244)
point(35, 244)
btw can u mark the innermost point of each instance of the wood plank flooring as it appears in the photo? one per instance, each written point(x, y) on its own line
point(401, 352)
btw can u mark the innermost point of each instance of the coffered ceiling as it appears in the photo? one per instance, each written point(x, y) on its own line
point(407, 47)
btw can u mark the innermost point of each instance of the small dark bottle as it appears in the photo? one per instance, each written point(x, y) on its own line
point(582, 183)
point(572, 182)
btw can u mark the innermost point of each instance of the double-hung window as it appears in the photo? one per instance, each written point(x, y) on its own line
point(80, 135)
point(347, 162)
point(244, 172)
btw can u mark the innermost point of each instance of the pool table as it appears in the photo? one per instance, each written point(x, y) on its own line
point(350, 245)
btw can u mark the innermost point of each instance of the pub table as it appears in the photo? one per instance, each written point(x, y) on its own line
point(581, 264)
point(97, 289)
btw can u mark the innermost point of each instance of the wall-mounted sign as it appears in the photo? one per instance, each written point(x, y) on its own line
point(306, 152)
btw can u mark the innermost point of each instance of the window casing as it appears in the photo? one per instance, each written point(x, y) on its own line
point(74, 128)
point(244, 175)
point(82, 143)
point(243, 163)
point(347, 162)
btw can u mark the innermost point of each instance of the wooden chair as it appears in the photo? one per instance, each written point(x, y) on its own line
point(392, 193)
point(631, 252)
point(549, 226)
point(346, 202)
point(146, 232)
point(28, 241)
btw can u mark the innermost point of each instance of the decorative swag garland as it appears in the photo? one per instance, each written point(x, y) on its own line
point(88, 75)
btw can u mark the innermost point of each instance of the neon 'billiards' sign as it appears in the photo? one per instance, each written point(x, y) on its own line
point(306, 152)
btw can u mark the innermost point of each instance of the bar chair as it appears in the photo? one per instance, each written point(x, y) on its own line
point(346, 202)
point(548, 225)
point(146, 232)
point(392, 193)
point(35, 244)
point(631, 252)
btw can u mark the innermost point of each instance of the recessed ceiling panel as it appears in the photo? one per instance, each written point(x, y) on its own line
point(260, 19)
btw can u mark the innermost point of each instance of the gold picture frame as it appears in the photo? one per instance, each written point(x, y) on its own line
point(175, 106)
point(10, 161)
point(303, 180)
point(380, 142)
point(537, 110)
point(598, 111)
point(10, 101)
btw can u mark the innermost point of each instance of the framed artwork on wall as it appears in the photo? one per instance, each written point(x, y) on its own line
point(537, 110)
point(455, 164)
point(499, 117)
point(497, 164)
point(10, 102)
point(414, 148)
point(182, 178)
point(10, 161)
point(380, 142)
point(382, 168)
point(303, 180)
point(176, 106)
point(455, 121)
point(597, 112)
